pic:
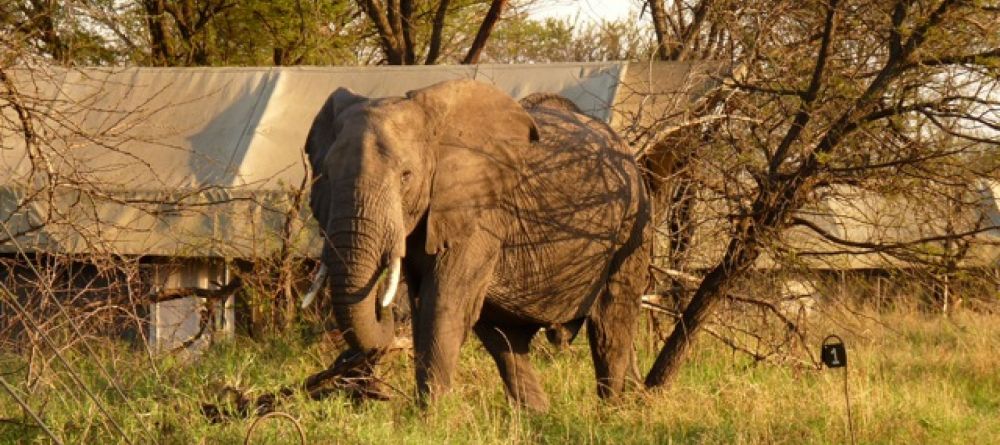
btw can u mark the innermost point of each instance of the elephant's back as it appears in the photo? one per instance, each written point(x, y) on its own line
point(576, 203)
point(558, 119)
point(581, 162)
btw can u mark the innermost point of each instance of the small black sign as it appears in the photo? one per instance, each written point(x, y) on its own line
point(833, 353)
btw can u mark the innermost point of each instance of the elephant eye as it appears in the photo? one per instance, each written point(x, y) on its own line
point(407, 175)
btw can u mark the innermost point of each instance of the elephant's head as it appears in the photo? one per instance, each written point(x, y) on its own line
point(439, 159)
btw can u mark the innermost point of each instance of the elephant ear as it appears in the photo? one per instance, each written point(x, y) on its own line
point(476, 133)
point(321, 136)
point(325, 126)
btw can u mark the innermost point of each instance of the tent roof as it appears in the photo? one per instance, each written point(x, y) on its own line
point(206, 161)
point(199, 127)
point(873, 231)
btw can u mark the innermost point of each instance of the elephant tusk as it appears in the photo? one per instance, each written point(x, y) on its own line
point(390, 292)
point(316, 285)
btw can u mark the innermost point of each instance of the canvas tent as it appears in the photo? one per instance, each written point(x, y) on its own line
point(207, 162)
point(872, 231)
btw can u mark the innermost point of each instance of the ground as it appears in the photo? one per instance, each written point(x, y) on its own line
point(913, 378)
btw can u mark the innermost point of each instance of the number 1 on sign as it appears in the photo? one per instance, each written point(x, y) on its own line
point(834, 355)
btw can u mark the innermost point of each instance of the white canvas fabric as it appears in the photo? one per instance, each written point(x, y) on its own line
point(206, 161)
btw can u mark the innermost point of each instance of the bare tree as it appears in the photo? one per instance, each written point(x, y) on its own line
point(683, 31)
point(827, 96)
point(690, 31)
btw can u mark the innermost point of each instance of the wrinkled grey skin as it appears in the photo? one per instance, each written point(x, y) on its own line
point(507, 221)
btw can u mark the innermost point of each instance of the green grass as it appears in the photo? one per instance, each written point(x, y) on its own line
point(913, 379)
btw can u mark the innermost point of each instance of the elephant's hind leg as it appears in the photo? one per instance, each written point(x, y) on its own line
point(509, 347)
point(611, 324)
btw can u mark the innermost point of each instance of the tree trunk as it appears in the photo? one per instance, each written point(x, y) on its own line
point(659, 27)
point(492, 17)
point(739, 256)
point(767, 217)
point(391, 41)
point(159, 44)
point(406, 13)
point(437, 29)
point(685, 33)
point(689, 40)
point(43, 18)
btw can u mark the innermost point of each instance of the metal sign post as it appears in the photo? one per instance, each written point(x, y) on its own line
point(833, 354)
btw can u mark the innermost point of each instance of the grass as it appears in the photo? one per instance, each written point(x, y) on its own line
point(913, 379)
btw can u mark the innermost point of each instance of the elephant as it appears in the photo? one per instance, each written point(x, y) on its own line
point(500, 219)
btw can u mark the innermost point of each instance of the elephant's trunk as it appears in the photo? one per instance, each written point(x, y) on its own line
point(365, 325)
point(363, 258)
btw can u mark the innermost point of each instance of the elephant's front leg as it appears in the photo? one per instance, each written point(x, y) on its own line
point(451, 298)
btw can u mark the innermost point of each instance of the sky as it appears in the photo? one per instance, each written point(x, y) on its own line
point(588, 10)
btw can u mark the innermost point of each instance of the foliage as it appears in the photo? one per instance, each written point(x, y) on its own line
point(303, 32)
point(561, 40)
point(57, 29)
point(260, 33)
point(220, 32)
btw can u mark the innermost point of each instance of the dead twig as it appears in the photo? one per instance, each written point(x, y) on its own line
point(275, 414)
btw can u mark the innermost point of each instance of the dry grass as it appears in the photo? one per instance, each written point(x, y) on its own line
point(914, 378)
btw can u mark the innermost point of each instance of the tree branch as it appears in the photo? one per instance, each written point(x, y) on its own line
point(982, 58)
point(803, 115)
point(873, 247)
